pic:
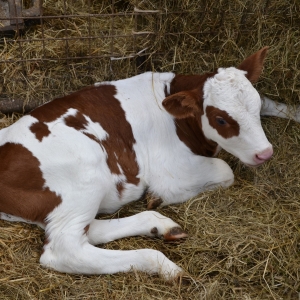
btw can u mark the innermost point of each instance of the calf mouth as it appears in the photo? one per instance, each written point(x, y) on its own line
point(253, 166)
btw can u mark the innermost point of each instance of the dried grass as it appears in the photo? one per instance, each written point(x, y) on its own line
point(184, 36)
point(244, 242)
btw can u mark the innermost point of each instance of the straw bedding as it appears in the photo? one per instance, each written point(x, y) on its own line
point(244, 242)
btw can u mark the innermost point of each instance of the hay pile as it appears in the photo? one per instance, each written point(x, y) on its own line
point(244, 242)
point(63, 54)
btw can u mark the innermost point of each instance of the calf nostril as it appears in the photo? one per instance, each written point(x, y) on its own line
point(264, 155)
point(258, 157)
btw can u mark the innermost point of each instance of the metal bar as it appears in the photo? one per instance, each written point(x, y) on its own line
point(110, 15)
point(70, 16)
point(65, 58)
point(112, 33)
point(82, 57)
point(76, 38)
point(124, 35)
point(134, 39)
point(66, 30)
point(90, 40)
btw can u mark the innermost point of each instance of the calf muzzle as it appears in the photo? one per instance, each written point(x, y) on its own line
point(263, 156)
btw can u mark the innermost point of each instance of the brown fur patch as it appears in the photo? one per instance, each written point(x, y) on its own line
point(120, 188)
point(86, 229)
point(92, 137)
point(189, 130)
point(189, 82)
point(22, 191)
point(230, 129)
point(78, 121)
point(101, 106)
point(154, 203)
point(40, 130)
point(46, 241)
point(119, 185)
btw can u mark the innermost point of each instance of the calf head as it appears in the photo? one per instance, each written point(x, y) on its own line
point(227, 109)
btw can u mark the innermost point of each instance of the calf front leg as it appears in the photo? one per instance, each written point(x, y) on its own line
point(199, 175)
point(147, 223)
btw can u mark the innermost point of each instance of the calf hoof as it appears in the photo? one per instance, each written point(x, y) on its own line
point(154, 203)
point(184, 279)
point(174, 234)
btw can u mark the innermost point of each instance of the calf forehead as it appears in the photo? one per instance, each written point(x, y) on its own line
point(232, 92)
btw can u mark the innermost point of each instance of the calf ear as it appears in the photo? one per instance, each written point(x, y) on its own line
point(183, 104)
point(254, 64)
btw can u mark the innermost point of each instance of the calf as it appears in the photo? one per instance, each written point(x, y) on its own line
point(97, 149)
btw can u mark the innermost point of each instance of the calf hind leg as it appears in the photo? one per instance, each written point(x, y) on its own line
point(281, 110)
point(149, 223)
point(72, 253)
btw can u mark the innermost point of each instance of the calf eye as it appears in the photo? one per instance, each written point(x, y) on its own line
point(221, 121)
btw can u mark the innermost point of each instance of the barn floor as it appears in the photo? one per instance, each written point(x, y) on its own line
point(244, 242)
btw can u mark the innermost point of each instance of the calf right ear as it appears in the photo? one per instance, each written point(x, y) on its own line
point(253, 64)
point(183, 104)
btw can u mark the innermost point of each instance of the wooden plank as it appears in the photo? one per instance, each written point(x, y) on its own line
point(15, 12)
point(8, 106)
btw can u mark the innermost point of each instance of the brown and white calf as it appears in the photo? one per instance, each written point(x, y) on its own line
point(97, 149)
